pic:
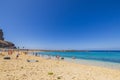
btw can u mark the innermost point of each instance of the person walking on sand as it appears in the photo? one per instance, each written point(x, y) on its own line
point(17, 56)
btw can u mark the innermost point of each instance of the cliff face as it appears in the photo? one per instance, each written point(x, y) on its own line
point(1, 35)
point(5, 44)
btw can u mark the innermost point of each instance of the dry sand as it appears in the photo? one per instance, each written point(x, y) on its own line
point(20, 69)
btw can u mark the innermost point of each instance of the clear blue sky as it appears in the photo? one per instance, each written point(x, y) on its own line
point(61, 24)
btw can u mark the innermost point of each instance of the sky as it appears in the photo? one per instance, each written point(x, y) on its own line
point(61, 24)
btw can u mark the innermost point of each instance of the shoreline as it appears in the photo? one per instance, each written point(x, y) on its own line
point(106, 64)
point(20, 69)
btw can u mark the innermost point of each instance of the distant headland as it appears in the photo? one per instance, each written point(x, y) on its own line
point(5, 44)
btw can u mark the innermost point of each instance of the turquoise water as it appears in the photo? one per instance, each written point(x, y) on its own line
point(97, 56)
point(102, 59)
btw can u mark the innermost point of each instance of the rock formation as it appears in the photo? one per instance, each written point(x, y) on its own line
point(5, 44)
point(1, 35)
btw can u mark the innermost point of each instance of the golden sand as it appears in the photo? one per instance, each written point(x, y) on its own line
point(20, 69)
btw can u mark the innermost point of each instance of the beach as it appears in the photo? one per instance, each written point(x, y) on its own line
point(48, 69)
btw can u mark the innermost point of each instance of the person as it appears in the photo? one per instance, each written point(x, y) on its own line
point(58, 57)
point(10, 52)
point(36, 54)
point(73, 57)
point(17, 56)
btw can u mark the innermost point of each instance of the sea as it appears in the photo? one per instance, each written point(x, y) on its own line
point(109, 59)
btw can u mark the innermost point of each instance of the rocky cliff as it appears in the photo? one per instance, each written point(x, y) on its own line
point(3, 43)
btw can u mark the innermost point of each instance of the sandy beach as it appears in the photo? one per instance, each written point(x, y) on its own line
point(47, 69)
